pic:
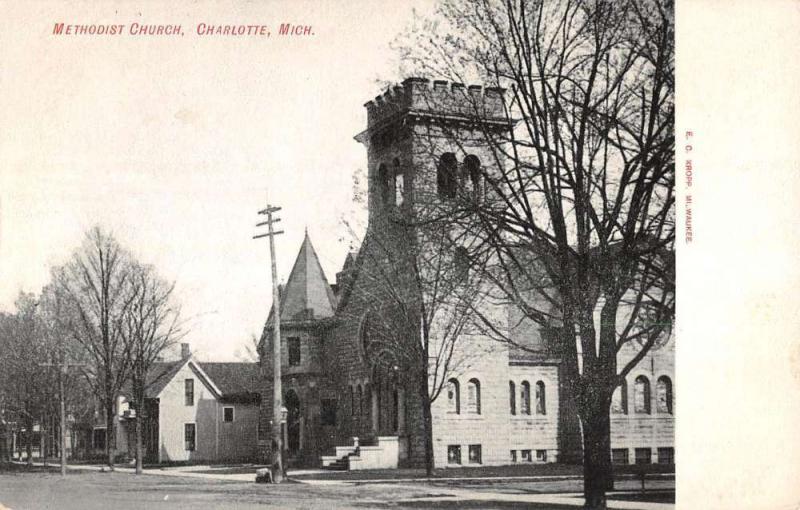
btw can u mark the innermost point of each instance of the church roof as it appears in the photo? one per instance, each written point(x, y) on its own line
point(307, 294)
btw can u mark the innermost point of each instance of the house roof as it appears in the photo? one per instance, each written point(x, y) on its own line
point(307, 294)
point(237, 382)
point(160, 375)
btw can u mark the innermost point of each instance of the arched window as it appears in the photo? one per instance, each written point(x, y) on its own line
point(474, 396)
point(512, 396)
point(472, 171)
point(399, 183)
point(461, 262)
point(453, 397)
point(641, 395)
point(540, 403)
point(367, 400)
point(395, 409)
point(352, 401)
point(360, 400)
point(446, 175)
point(619, 400)
point(664, 395)
point(386, 185)
point(525, 398)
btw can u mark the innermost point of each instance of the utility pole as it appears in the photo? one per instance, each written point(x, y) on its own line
point(277, 391)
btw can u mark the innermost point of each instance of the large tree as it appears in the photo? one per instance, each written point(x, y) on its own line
point(151, 326)
point(578, 219)
point(420, 292)
point(98, 289)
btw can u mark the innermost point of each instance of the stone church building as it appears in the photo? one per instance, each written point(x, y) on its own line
point(502, 406)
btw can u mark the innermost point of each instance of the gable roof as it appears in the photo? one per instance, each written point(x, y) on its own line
point(160, 374)
point(238, 382)
point(307, 294)
point(231, 382)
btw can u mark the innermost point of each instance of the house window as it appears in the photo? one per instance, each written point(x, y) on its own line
point(619, 400)
point(188, 385)
point(512, 397)
point(641, 395)
point(514, 456)
point(453, 454)
point(526, 455)
point(643, 455)
point(189, 436)
point(666, 456)
point(472, 169)
point(474, 397)
point(227, 414)
point(453, 397)
point(541, 455)
point(619, 456)
point(446, 176)
point(328, 412)
point(540, 402)
point(664, 395)
point(525, 397)
point(475, 454)
point(294, 351)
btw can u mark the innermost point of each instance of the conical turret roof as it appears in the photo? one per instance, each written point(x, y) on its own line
point(307, 294)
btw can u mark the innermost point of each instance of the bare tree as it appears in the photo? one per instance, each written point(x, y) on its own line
point(98, 286)
point(420, 294)
point(151, 326)
point(579, 215)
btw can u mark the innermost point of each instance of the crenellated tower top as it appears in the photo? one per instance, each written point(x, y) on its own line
point(419, 96)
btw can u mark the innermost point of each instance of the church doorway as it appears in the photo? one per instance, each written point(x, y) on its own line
point(292, 403)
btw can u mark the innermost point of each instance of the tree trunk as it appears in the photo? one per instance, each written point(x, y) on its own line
point(138, 425)
point(427, 424)
point(598, 476)
point(110, 435)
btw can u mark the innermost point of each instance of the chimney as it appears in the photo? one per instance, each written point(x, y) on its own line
point(185, 351)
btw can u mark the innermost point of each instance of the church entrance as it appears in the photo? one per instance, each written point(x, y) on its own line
point(293, 422)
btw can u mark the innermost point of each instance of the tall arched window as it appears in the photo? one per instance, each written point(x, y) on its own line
point(525, 398)
point(453, 397)
point(386, 185)
point(641, 395)
point(360, 400)
point(664, 395)
point(352, 401)
point(472, 171)
point(474, 397)
point(446, 175)
point(619, 400)
point(399, 183)
point(461, 262)
point(512, 397)
point(367, 400)
point(540, 396)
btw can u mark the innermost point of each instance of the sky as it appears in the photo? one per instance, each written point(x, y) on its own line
point(173, 143)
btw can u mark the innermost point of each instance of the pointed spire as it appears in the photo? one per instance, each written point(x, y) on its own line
point(307, 293)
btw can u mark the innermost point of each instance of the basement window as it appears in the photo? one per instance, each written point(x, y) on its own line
point(475, 456)
point(454, 454)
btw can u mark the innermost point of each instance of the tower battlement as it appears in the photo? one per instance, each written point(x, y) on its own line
point(419, 95)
